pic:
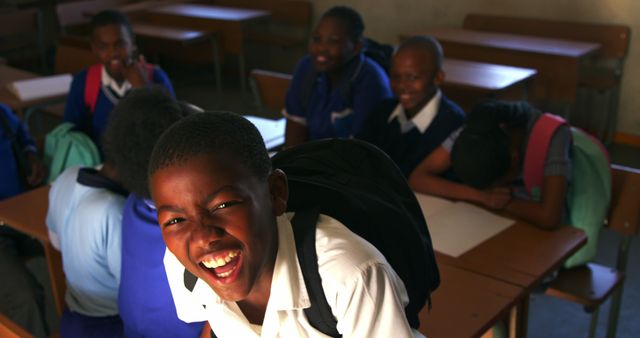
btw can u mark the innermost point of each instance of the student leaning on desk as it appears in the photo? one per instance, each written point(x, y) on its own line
point(511, 157)
point(22, 296)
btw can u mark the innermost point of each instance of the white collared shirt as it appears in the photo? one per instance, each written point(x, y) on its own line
point(111, 83)
point(422, 120)
point(364, 292)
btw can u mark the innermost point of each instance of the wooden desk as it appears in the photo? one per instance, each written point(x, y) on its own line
point(467, 304)
point(467, 82)
point(227, 22)
point(9, 74)
point(27, 213)
point(557, 61)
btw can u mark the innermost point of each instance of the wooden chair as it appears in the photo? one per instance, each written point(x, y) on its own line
point(21, 34)
point(289, 24)
point(602, 77)
point(270, 91)
point(592, 284)
point(9, 329)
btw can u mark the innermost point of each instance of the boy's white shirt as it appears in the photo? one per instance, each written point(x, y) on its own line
point(422, 120)
point(364, 292)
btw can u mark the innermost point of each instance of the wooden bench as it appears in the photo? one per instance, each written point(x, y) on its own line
point(9, 329)
point(604, 76)
point(592, 284)
point(289, 24)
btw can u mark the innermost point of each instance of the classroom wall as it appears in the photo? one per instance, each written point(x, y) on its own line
point(385, 18)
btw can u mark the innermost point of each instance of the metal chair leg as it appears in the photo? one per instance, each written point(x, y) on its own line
point(594, 323)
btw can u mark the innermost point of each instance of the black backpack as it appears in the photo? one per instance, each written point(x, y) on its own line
point(359, 185)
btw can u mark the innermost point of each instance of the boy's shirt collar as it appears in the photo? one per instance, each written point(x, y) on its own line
point(112, 84)
point(422, 120)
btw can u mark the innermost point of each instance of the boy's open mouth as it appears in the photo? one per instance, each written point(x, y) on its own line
point(222, 265)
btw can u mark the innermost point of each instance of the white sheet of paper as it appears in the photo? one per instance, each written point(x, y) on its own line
point(41, 87)
point(457, 227)
point(272, 131)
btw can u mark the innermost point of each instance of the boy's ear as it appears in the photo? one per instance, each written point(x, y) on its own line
point(357, 46)
point(279, 190)
point(439, 77)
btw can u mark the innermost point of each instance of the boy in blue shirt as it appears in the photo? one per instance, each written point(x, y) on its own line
point(335, 86)
point(96, 90)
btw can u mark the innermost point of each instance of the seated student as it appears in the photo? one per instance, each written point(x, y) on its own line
point(488, 157)
point(409, 127)
point(96, 90)
point(221, 207)
point(334, 87)
point(85, 224)
point(21, 294)
point(144, 298)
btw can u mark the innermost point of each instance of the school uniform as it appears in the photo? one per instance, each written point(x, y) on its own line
point(85, 221)
point(11, 184)
point(366, 296)
point(409, 141)
point(94, 123)
point(144, 297)
point(340, 110)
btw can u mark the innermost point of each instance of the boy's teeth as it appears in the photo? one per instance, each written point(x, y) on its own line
point(217, 262)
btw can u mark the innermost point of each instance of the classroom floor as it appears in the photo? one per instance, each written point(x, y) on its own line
point(549, 317)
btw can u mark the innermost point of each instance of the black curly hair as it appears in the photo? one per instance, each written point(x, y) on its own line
point(220, 134)
point(481, 154)
point(427, 43)
point(111, 17)
point(134, 127)
point(350, 18)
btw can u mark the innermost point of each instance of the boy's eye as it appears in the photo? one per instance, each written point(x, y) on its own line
point(173, 221)
point(224, 205)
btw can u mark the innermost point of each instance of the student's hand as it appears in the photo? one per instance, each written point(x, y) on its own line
point(135, 71)
point(496, 198)
point(37, 170)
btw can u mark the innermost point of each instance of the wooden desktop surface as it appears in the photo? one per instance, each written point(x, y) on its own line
point(228, 22)
point(557, 61)
point(466, 304)
point(27, 212)
point(483, 76)
point(9, 74)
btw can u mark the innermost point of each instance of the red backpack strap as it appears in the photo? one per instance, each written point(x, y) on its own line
point(537, 147)
point(92, 86)
point(149, 72)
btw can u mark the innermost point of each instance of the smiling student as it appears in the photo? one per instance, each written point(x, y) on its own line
point(222, 207)
point(335, 86)
point(409, 127)
point(96, 90)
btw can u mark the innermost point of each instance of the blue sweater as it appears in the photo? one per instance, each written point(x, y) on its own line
point(144, 299)
point(410, 148)
point(10, 184)
point(94, 125)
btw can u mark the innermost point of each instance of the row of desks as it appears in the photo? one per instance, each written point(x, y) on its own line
point(480, 287)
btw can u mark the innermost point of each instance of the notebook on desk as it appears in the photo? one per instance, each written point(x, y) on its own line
point(272, 131)
point(457, 227)
point(41, 87)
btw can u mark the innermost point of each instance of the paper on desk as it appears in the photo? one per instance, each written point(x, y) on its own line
point(272, 131)
point(41, 87)
point(457, 227)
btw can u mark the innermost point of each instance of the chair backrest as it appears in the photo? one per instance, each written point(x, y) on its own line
point(72, 58)
point(614, 39)
point(21, 29)
point(624, 214)
point(9, 329)
point(270, 88)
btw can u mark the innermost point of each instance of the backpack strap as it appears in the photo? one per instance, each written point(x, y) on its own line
point(93, 83)
point(319, 314)
point(537, 148)
point(92, 86)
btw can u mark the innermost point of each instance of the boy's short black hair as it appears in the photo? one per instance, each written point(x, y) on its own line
point(350, 18)
point(428, 43)
point(134, 126)
point(220, 134)
point(111, 17)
